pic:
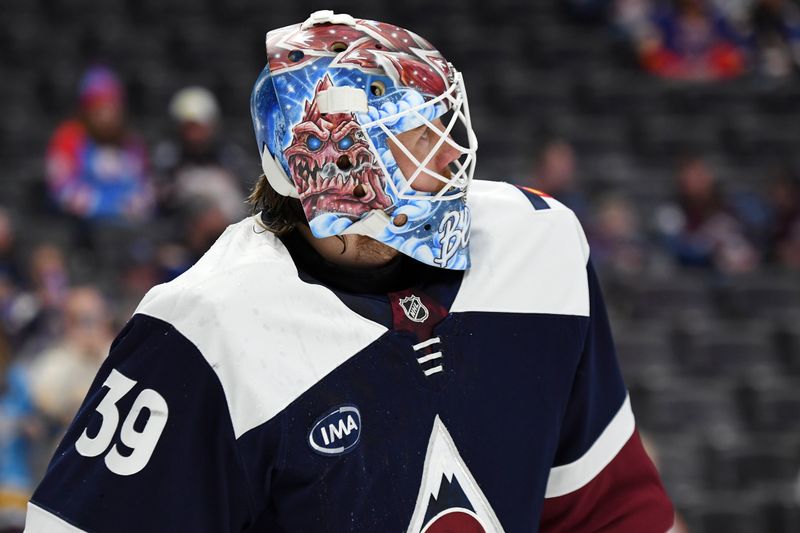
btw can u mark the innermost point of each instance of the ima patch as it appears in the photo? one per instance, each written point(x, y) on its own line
point(414, 309)
point(336, 432)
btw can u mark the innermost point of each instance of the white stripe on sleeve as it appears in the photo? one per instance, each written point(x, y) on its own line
point(571, 477)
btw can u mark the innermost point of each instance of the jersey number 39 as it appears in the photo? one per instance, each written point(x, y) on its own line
point(141, 441)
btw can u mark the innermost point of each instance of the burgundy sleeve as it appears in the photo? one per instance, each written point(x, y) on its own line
point(626, 497)
point(602, 479)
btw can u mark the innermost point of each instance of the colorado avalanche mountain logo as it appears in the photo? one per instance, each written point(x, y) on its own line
point(449, 497)
point(414, 309)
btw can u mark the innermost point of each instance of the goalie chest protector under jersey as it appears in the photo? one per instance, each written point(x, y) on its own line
point(245, 396)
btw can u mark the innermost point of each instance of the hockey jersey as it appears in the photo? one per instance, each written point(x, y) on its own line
point(248, 395)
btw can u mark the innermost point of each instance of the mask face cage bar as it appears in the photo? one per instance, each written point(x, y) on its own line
point(459, 181)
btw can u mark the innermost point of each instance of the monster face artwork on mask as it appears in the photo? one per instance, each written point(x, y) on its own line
point(329, 158)
point(338, 163)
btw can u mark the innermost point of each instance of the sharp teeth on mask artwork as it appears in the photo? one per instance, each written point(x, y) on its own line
point(330, 158)
point(328, 190)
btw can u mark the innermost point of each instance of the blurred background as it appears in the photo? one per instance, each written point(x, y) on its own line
point(670, 127)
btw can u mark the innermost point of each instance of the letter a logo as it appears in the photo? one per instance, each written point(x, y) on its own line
point(449, 497)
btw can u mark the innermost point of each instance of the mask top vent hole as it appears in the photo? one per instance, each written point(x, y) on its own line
point(377, 88)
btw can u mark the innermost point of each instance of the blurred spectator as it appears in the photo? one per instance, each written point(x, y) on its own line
point(197, 164)
point(616, 238)
point(203, 225)
point(785, 206)
point(9, 268)
point(700, 228)
point(555, 173)
point(15, 309)
point(30, 314)
point(60, 376)
point(15, 477)
point(41, 395)
point(96, 167)
point(775, 36)
point(49, 276)
point(634, 19)
point(685, 39)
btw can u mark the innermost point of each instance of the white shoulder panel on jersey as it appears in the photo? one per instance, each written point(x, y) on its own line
point(268, 335)
point(40, 521)
point(524, 260)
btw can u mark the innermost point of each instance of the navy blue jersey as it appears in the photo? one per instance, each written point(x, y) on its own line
point(247, 396)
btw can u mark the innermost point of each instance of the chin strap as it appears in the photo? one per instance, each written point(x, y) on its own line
point(371, 225)
point(276, 176)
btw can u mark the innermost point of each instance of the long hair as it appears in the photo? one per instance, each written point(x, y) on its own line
point(279, 214)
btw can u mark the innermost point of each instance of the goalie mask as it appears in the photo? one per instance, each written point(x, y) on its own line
point(328, 106)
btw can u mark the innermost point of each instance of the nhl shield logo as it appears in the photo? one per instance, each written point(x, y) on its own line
point(414, 309)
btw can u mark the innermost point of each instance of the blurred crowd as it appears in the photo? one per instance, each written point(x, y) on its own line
point(702, 39)
point(124, 216)
point(702, 226)
point(132, 214)
point(705, 39)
